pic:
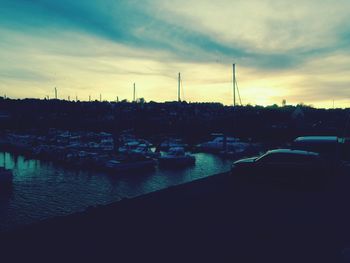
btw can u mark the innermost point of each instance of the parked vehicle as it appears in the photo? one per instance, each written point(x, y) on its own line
point(329, 147)
point(283, 164)
point(324, 145)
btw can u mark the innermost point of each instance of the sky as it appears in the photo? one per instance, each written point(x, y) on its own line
point(295, 50)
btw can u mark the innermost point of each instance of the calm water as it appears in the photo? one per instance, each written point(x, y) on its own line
point(42, 190)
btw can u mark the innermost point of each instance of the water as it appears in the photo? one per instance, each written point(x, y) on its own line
point(42, 190)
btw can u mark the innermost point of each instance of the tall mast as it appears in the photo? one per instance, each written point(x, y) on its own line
point(234, 84)
point(55, 93)
point(134, 96)
point(178, 89)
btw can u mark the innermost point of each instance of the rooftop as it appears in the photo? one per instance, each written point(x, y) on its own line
point(291, 151)
point(317, 139)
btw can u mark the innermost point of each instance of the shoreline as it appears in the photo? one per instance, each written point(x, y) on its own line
point(186, 190)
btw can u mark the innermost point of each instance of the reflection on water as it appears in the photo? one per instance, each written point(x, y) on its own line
point(42, 190)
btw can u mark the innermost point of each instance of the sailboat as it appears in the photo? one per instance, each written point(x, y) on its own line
point(176, 156)
point(222, 144)
point(178, 89)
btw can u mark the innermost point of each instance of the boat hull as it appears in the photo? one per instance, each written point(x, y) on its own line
point(177, 162)
point(132, 166)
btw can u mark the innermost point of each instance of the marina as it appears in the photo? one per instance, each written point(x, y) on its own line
point(182, 131)
point(42, 189)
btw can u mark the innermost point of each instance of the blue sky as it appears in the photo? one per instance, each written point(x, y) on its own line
point(298, 51)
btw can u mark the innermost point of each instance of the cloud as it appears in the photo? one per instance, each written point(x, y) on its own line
point(264, 26)
point(295, 50)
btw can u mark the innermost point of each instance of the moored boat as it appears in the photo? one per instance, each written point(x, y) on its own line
point(145, 150)
point(176, 157)
point(172, 143)
point(222, 143)
point(130, 164)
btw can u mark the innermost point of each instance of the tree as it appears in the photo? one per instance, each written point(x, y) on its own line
point(141, 100)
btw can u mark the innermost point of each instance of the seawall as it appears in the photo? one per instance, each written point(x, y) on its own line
point(215, 219)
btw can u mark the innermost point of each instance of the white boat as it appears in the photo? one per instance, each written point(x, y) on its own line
point(176, 157)
point(218, 144)
point(128, 146)
point(145, 150)
point(138, 148)
point(6, 177)
point(172, 143)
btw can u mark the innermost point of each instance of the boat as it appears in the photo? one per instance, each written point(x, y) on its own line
point(145, 150)
point(6, 177)
point(138, 148)
point(128, 146)
point(176, 157)
point(221, 143)
point(130, 164)
point(172, 143)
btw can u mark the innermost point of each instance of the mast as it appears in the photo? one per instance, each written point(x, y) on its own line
point(55, 93)
point(178, 89)
point(134, 96)
point(234, 84)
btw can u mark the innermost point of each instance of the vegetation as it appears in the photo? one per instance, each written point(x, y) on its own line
point(191, 121)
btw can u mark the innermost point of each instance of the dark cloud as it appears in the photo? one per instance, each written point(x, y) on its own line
point(124, 22)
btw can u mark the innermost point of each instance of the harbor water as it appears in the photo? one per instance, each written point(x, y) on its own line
point(43, 190)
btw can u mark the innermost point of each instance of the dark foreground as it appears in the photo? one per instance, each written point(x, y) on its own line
point(217, 219)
